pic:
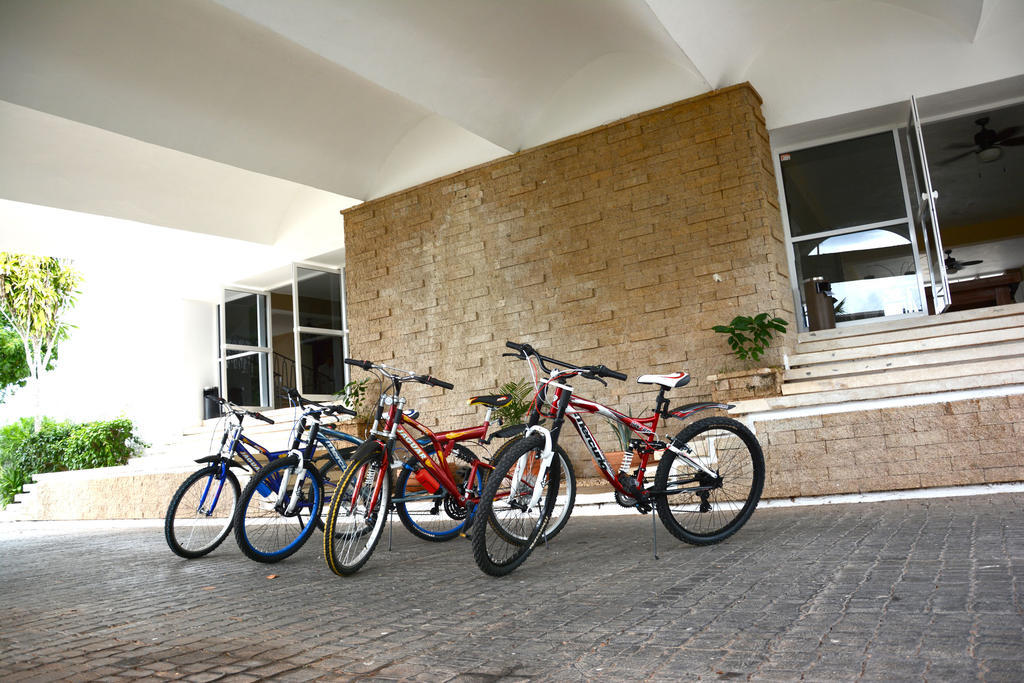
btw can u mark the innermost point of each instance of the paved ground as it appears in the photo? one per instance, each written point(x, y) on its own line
point(902, 590)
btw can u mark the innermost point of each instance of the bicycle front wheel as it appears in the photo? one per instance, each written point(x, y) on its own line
point(566, 498)
point(508, 523)
point(199, 516)
point(437, 516)
point(358, 512)
point(330, 475)
point(278, 509)
point(702, 508)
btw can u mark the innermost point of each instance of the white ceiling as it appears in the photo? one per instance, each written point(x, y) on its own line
point(260, 119)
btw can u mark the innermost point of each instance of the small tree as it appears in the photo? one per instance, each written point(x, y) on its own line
point(36, 293)
point(13, 367)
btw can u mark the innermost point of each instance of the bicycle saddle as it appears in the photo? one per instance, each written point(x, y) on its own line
point(494, 401)
point(672, 381)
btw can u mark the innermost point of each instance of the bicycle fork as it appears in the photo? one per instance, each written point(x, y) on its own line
point(550, 439)
point(300, 476)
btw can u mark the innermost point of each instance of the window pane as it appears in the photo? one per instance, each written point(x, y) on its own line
point(245, 318)
point(872, 272)
point(321, 363)
point(246, 379)
point(319, 299)
point(842, 185)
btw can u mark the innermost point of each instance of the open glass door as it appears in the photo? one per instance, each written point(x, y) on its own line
point(245, 348)
point(924, 197)
point(320, 333)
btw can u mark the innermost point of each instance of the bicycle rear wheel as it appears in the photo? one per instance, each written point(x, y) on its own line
point(702, 509)
point(437, 516)
point(358, 512)
point(274, 516)
point(199, 516)
point(505, 525)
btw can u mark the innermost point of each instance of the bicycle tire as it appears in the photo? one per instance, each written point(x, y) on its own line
point(206, 530)
point(330, 476)
point(436, 517)
point(351, 532)
point(505, 530)
point(721, 508)
point(566, 499)
point(262, 530)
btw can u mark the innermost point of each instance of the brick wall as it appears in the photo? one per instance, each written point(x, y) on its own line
point(622, 245)
point(942, 444)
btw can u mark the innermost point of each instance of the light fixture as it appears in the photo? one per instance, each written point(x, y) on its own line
point(990, 154)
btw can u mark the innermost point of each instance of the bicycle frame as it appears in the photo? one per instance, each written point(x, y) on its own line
point(442, 444)
point(391, 426)
point(565, 404)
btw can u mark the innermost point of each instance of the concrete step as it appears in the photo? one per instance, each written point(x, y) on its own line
point(912, 388)
point(919, 359)
point(947, 329)
point(949, 371)
point(105, 493)
point(933, 343)
point(869, 329)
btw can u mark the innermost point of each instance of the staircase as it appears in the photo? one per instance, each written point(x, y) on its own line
point(965, 350)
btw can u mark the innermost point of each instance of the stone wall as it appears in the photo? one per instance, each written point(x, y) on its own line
point(622, 245)
point(940, 444)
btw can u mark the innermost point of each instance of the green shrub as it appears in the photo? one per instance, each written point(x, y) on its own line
point(101, 444)
point(11, 481)
point(60, 446)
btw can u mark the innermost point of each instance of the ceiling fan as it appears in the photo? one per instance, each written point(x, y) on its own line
point(988, 143)
point(955, 266)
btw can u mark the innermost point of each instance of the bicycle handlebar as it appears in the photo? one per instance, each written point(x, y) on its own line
point(294, 395)
point(406, 375)
point(593, 370)
point(259, 416)
point(433, 381)
point(238, 411)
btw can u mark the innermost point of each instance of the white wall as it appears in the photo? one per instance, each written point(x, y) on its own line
point(144, 346)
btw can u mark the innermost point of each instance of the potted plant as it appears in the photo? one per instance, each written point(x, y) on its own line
point(353, 395)
point(749, 337)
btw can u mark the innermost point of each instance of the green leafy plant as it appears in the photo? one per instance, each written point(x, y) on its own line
point(354, 396)
point(750, 336)
point(59, 446)
point(514, 412)
point(622, 432)
point(12, 480)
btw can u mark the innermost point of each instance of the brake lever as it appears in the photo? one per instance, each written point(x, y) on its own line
point(590, 375)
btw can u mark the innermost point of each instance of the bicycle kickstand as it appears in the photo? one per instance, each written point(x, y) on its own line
point(391, 528)
point(654, 534)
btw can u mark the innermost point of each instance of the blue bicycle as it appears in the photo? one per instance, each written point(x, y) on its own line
point(201, 511)
point(281, 505)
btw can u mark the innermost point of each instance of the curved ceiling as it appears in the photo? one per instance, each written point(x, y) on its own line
point(358, 99)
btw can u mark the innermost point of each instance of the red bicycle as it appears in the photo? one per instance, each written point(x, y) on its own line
point(439, 478)
point(707, 484)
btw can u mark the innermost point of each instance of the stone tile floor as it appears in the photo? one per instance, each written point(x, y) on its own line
point(924, 589)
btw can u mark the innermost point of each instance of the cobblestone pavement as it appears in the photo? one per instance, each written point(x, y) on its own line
point(927, 589)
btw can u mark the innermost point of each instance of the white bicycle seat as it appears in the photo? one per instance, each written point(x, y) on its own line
point(671, 381)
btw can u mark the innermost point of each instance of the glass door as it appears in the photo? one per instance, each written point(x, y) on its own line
point(245, 349)
point(924, 198)
point(854, 254)
point(320, 331)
